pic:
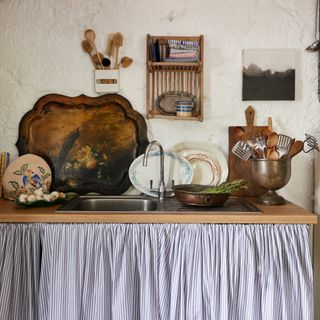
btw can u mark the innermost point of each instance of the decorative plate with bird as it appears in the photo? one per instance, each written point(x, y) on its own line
point(26, 174)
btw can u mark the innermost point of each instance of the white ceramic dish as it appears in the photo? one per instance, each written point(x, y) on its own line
point(204, 171)
point(176, 168)
point(205, 168)
point(26, 174)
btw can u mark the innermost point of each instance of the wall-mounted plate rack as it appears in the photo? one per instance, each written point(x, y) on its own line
point(165, 76)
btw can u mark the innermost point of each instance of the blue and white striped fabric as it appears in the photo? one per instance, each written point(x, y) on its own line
point(122, 271)
point(20, 255)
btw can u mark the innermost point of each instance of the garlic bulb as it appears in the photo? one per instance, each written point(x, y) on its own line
point(23, 198)
point(47, 197)
point(54, 195)
point(38, 197)
point(31, 198)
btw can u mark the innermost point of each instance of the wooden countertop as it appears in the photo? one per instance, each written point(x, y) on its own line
point(287, 214)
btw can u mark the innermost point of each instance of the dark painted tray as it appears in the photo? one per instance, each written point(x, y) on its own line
point(88, 142)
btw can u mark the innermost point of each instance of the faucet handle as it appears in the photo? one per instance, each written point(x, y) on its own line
point(151, 186)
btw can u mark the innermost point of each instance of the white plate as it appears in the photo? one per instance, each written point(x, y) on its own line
point(203, 170)
point(176, 168)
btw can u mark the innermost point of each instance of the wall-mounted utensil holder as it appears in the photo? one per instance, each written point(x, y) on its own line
point(107, 81)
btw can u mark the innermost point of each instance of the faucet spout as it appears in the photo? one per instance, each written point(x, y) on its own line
point(161, 191)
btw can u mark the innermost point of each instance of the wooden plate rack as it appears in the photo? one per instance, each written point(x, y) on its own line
point(165, 76)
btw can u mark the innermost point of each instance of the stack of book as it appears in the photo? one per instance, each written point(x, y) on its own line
point(183, 51)
point(4, 161)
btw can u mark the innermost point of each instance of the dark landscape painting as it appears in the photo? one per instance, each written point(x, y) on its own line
point(268, 74)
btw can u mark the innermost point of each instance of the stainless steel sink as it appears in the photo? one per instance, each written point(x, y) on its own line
point(123, 204)
point(108, 204)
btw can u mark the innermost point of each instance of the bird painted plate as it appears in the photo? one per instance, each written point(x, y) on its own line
point(177, 170)
point(26, 174)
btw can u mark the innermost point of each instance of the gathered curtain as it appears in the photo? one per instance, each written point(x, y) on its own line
point(155, 271)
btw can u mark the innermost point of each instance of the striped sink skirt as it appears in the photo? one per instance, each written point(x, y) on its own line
point(155, 271)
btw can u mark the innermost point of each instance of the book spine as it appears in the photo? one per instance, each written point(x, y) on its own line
point(2, 168)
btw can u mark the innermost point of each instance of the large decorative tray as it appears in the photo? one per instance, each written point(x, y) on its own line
point(88, 142)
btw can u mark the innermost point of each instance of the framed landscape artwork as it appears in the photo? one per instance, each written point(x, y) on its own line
point(268, 74)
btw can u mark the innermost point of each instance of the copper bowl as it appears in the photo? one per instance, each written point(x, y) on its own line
point(189, 194)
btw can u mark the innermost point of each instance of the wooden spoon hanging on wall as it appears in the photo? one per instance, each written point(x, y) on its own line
point(125, 62)
point(90, 36)
point(86, 46)
point(105, 61)
point(117, 42)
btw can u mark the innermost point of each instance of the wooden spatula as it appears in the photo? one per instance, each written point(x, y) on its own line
point(296, 147)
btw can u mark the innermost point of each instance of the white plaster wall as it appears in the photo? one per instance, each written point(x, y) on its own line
point(41, 53)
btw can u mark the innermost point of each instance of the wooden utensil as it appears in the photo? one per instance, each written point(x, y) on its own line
point(271, 143)
point(267, 132)
point(239, 169)
point(95, 57)
point(117, 42)
point(86, 46)
point(125, 62)
point(273, 154)
point(110, 46)
point(90, 35)
point(296, 147)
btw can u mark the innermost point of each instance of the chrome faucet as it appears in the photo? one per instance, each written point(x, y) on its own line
point(162, 189)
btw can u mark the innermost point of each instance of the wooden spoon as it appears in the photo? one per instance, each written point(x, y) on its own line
point(105, 61)
point(95, 57)
point(296, 147)
point(86, 46)
point(90, 35)
point(271, 143)
point(239, 132)
point(125, 62)
point(274, 155)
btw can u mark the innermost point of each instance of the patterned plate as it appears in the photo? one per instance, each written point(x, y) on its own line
point(26, 174)
point(176, 169)
point(204, 170)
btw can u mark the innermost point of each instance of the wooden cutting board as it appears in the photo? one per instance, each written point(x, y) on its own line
point(240, 169)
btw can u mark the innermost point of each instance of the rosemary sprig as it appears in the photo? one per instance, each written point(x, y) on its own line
point(226, 187)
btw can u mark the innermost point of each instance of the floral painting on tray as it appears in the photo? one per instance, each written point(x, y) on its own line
point(268, 74)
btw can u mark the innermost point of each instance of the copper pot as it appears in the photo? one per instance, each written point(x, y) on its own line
point(190, 194)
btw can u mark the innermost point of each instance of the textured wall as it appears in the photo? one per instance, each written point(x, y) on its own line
point(41, 53)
